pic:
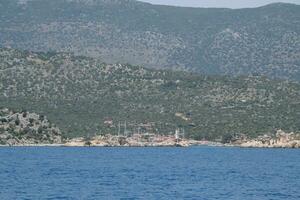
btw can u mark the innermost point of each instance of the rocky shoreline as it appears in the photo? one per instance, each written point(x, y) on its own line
point(136, 140)
point(120, 141)
point(281, 139)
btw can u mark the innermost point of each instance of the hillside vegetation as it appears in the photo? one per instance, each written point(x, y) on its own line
point(24, 128)
point(84, 96)
point(258, 41)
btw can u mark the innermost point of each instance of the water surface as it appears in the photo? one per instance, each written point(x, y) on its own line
point(149, 173)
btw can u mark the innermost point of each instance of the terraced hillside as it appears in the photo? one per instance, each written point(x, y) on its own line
point(263, 41)
point(84, 96)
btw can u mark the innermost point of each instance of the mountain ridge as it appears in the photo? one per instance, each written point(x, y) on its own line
point(263, 41)
point(266, 5)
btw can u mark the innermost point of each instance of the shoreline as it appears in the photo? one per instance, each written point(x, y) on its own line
point(150, 146)
point(280, 141)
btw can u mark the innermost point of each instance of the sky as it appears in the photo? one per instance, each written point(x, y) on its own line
point(220, 3)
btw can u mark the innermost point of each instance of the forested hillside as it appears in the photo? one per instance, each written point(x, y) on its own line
point(86, 96)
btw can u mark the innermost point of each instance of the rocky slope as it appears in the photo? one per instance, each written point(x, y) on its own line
point(24, 128)
point(279, 140)
point(263, 41)
point(86, 96)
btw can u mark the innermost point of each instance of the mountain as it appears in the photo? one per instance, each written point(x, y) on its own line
point(84, 96)
point(257, 41)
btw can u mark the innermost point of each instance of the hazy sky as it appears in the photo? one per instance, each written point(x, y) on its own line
point(220, 3)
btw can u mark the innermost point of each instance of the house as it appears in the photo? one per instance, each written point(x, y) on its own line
point(109, 122)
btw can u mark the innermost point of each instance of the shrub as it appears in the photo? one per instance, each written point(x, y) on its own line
point(17, 122)
point(88, 143)
point(41, 117)
point(227, 138)
point(24, 114)
point(2, 142)
point(40, 130)
point(31, 121)
point(3, 120)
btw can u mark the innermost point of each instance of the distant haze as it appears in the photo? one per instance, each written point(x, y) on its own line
point(219, 3)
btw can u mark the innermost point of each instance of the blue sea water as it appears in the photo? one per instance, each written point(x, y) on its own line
point(149, 173)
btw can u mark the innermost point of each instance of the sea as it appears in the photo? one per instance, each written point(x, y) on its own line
point(149, 173)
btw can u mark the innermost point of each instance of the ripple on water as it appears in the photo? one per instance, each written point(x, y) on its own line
point(149, 173)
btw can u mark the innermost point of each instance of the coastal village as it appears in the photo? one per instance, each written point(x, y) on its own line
point(143, 135)
point(135, 140)
point(30, 129)
point(280, 140)
point(131, 134)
